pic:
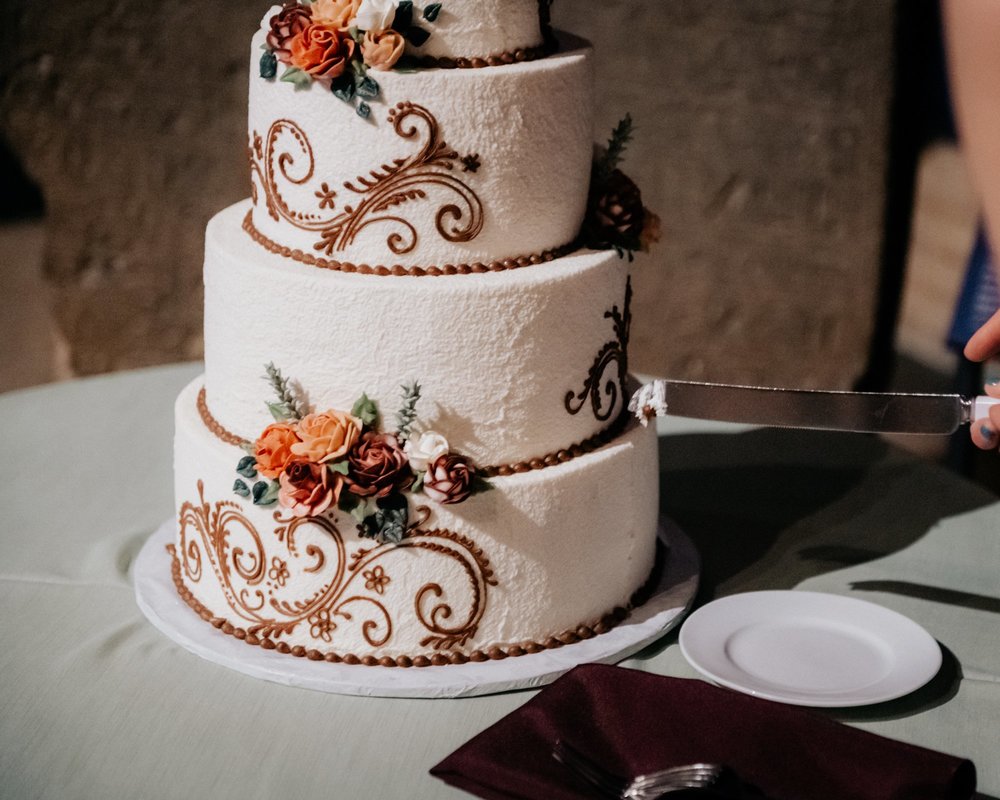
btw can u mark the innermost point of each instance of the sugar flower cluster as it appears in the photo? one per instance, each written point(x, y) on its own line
point(336, 42)
point(312, 463)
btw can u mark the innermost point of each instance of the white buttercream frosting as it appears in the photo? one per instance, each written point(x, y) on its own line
point(512, 180)
point(482, 28)
point(495, 353)
point(565, 545)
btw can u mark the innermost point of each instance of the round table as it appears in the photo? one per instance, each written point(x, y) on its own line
point(95, 702)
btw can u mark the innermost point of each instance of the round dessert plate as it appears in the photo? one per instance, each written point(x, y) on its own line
point(809, 648)
point(671, 598)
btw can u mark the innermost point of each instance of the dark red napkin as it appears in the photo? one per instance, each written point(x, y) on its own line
point(634, 722)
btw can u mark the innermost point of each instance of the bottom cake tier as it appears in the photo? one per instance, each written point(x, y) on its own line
point(547, 557)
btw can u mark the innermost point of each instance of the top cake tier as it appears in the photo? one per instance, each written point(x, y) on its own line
point(482, 32)
point(455, 170)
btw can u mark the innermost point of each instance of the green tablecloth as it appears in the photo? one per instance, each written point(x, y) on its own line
point(95, 703)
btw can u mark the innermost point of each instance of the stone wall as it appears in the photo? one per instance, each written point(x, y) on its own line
point(761, 141)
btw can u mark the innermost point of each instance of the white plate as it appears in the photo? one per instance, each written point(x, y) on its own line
point(809, 649)
point(670, 599)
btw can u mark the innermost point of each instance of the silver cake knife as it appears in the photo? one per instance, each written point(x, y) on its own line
point(809, 408)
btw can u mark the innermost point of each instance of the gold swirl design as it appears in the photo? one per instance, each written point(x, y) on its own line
point(613, 353)
point(285, 156)
point(255, 596)
point(573, 635)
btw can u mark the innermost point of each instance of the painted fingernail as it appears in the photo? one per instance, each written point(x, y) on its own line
point(994, 382)
point(987, 433)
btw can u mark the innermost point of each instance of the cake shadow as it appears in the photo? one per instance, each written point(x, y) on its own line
point(770, 508)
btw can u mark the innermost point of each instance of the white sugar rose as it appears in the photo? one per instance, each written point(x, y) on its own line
point(650, 401)
point(375, 15)
point(425, 448)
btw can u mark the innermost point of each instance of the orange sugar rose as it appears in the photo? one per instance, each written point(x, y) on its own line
point(335, 13)
point(321, 51)
point(273, 450)
point(382, 50)
point(326, 437)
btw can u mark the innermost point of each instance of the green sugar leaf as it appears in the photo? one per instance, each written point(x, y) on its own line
point(389, 522)
point(340, 467)
point(280, 412)
point(431, 12)
point(268, 65)
point(367, 87)
point(418, 483)
point(416, 36)
point(343, 88)
point(241, 488)
point(404, 16)
point(297, 76)
point(247, 467)
point(364, 110)
point(366, 410)
point(265, 493)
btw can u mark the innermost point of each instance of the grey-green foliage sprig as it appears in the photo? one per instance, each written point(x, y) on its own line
point(407, 414)
point(289, 406)
point(615, 152)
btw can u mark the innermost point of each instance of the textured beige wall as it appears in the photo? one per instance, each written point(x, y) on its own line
point(761, 141)
point(762, 129)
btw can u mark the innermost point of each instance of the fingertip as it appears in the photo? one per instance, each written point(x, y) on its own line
point(983, 436)
point(992, 388)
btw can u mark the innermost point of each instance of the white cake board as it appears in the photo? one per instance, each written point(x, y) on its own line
point(670, 599)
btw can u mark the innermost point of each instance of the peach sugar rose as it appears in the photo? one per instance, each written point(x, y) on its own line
point(337, 14)
point(273, 450)
point(382, 50)
point(321, 51)
point(326, 437)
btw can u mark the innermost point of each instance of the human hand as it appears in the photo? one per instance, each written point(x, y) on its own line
point(986, 431)
point(984, 344)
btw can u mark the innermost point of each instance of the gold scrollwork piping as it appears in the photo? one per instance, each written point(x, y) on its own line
point(614, 353)
point(249, 588)
point(285, 156)
point(434, 659)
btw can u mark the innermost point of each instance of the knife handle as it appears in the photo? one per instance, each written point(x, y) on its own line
point(981, 407)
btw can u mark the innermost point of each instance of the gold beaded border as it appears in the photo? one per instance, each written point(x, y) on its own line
point(495, 653)
point(399, 270)
point(588, 445)
point(506, 58)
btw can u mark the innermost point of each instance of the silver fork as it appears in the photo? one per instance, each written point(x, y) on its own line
point(642, 787)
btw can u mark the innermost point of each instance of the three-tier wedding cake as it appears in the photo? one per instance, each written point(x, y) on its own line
point(409, 446)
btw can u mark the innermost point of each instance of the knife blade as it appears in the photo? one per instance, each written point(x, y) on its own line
point(863, 412)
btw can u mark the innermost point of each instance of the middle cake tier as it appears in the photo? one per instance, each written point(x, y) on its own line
point(517, 367)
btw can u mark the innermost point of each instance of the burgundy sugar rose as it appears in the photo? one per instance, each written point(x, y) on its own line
point(449, 479)
point(378, 466)
point(307, 490)
point(284, 26)
point(618, 212)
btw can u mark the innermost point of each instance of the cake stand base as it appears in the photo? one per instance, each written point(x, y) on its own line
point(671, 597)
